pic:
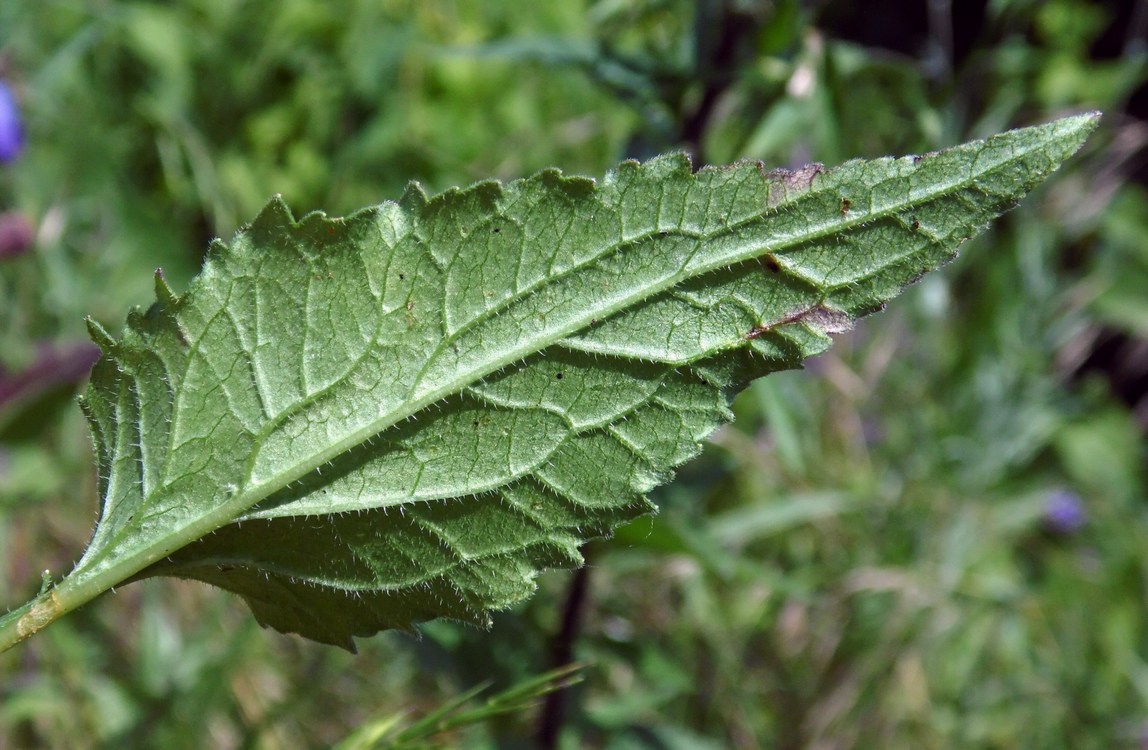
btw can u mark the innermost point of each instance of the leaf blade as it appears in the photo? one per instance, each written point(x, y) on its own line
point(406, 413)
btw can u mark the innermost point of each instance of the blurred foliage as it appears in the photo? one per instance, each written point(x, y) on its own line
point(865, 559)
point(392, 733)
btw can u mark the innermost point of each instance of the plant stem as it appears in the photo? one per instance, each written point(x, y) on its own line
point(553, 713)
point(29, 619)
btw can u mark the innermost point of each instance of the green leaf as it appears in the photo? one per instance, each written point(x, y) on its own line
point(361, 423)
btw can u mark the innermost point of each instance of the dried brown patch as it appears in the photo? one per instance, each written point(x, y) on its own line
point(782, 182)
point(827, 320)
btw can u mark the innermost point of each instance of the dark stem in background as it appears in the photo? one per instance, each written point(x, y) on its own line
point(723, 38)
point(941, 38)
point(724, 32)
point(553, 712)
point(1134, 38)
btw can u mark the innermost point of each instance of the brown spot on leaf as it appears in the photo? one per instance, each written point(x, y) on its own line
point(822, 318)
point(782, 182)
point(802, 178)
point(829, 321)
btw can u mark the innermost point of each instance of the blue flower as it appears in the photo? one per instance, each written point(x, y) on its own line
point(11, 130)
point(1064, 512)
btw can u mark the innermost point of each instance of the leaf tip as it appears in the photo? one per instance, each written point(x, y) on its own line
point(100, 335)
point(1057, 140)
point(275, 215)
point(414, 198)
point(1075, 129)
point(1090, 119)
point(574, 185)
point(673, 164)
point(163, 292)
point(216, 247)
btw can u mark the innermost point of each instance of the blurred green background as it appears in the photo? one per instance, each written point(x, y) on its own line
point(934, 537)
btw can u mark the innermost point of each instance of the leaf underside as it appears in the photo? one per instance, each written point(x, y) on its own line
point(362, 423)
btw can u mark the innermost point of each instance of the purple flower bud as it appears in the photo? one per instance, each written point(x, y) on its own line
point(11, 131)
point(1064, 512)
point(16, 234)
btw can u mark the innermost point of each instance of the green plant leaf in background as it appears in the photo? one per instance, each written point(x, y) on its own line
point(362, 423)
